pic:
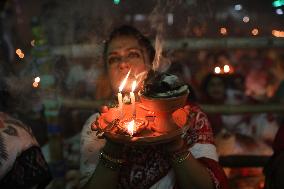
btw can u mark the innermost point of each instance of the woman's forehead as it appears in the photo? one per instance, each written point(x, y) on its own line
point(123, 43)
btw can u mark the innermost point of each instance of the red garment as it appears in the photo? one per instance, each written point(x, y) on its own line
point(149, 166)
point(216, 171)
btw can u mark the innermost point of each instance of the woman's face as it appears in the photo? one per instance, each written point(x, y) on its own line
point(216, 89)
point(125, 53)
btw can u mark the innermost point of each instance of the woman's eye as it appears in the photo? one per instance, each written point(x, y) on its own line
point(113, 60)
point(133, 55)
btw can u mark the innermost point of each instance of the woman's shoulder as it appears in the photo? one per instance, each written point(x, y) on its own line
point(88, 136)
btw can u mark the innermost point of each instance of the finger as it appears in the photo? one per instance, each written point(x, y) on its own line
point(187, 109)
point(104, 109)
point(94, 126)
point(101, 135)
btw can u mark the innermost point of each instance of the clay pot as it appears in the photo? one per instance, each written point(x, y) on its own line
point(163, 109)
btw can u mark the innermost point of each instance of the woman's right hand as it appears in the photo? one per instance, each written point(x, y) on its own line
point(114, 149)
point(105, 120)
point(107, 115)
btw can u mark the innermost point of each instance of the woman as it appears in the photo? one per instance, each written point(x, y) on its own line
point(190, 162)
point(214, 92)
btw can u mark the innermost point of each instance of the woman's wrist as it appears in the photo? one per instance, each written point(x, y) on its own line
point(179, 157)
point(114, 149)
point(177, 151)
point(111, 162)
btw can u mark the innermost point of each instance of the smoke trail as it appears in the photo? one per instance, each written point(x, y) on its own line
point(161, 63)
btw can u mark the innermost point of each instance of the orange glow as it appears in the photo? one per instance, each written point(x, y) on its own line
point(18, 51)
point(133, 86)
point(254, 31)
point(217, 70)
point(124, 82)
point(22, 55)
point(223, 31)
point(278, 33)
point(261, 184)
point(35, 84)
point(226, 69)
point(130, 127)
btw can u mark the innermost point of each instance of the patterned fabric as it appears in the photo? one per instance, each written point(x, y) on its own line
point(22, 164)
point(200, 130)
point(148, 166)
point(30, 170)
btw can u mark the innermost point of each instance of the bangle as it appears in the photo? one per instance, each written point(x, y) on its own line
point(180, 156)
point(111, 162)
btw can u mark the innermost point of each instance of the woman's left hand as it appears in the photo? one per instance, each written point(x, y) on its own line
point(176, 145)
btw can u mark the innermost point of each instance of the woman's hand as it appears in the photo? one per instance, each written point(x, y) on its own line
point(174, 146)
point(105, 121)
point(114, 149)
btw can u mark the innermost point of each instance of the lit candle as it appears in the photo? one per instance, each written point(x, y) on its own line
point(132, 97)
point(119, 95)
point(131, 127)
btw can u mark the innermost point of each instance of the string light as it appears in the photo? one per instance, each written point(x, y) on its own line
point(20, 53)
point(279, 11)
point(116, 2)
point(33, 43)
point(245, 19)
point(254, 31)
point(278, 33)
point(223, 31)
point(35, 84)
point(238, 7)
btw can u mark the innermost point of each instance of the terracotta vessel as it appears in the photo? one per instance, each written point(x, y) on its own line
point(163, 109)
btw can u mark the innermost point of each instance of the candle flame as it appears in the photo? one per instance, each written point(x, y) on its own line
point(217, 70)
point(226, 68)
point(134, 85)
point(124, 82)
point(130, 127)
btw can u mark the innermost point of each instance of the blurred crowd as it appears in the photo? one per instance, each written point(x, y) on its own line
point(216, 77)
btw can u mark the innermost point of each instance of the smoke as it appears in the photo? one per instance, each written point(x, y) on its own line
point(157, 20)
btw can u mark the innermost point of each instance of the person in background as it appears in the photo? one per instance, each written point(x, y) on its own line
point(262, 126)
point(274, 169)
point(22, 164)
point(277, 71)
point(213, 89)
point(188, 162)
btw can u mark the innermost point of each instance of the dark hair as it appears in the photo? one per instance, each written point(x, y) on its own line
point(206, 80)
point(126, 30)
point(5, 97)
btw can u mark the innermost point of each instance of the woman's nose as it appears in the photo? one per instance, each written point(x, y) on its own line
point(124, 65)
